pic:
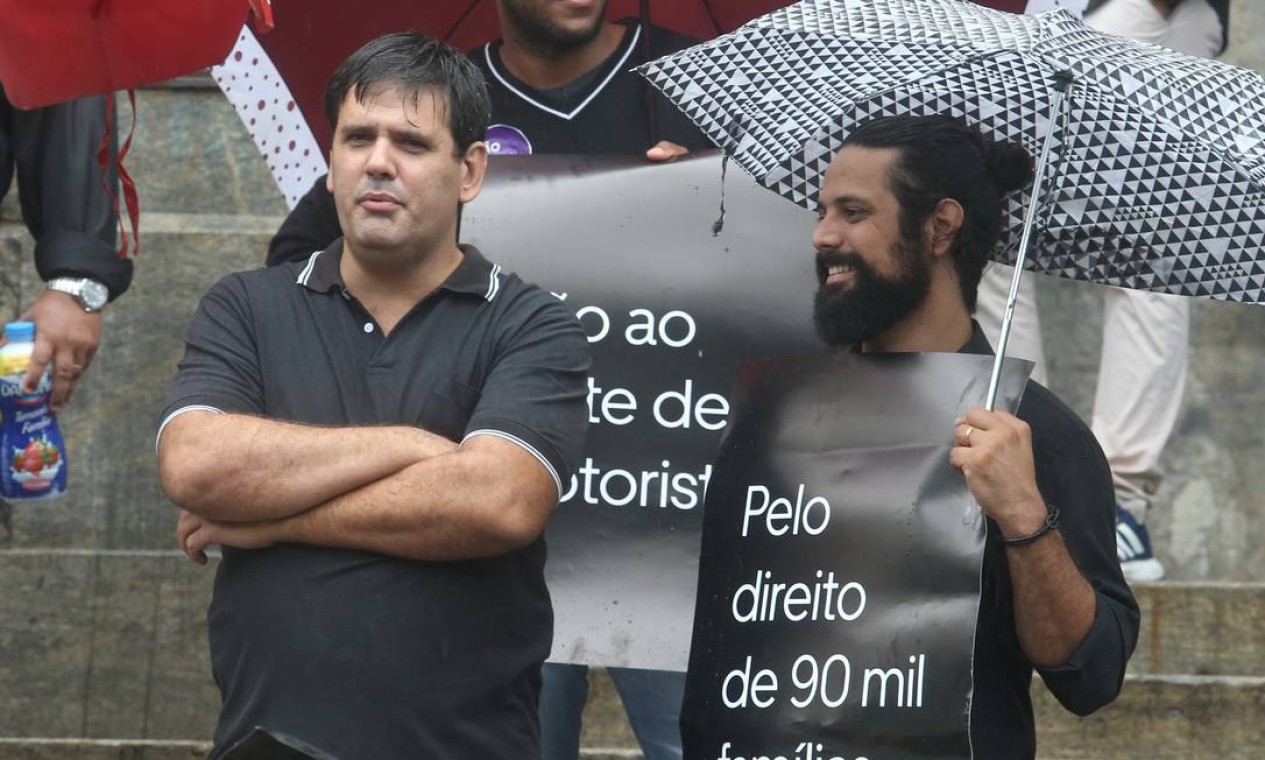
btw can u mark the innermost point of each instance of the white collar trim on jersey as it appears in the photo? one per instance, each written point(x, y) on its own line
point(487, 53)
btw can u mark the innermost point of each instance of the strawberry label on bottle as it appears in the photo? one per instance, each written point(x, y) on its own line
point(32, 453)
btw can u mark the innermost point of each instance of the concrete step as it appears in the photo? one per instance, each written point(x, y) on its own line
point(104, 645)
point(1160, 717)
point(101, 749)
point(1201, 629)
point(192, 155)
point(111, 644)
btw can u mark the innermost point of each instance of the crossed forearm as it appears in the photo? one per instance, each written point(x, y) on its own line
point(445, 508)
point(240, 468)
point(486, 499)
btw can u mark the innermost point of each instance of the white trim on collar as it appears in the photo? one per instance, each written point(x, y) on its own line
point(619, 66)
point(494, 283)
point(307, 270)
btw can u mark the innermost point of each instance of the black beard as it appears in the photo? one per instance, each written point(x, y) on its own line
point(872, 303)
point(546, 38)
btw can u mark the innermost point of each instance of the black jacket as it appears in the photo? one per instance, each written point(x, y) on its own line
point(53, 151)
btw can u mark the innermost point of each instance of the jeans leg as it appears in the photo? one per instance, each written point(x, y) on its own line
point(563, 692)
point(652, 699)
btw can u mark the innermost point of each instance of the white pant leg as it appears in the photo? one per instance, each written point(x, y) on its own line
point(1025, 328)
point(1145, 336)
point(1141, 379)
point(1135, 19)
point(1192, 28)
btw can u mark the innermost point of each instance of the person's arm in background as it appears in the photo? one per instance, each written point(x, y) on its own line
point(676, 134)
point(71, 216)
point(665, 150)
point(310, 227)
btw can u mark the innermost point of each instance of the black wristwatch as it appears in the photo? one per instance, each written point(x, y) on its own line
point(91, 295)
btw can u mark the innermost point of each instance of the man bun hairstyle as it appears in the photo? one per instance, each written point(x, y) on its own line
point(1009, 164)
point(415, 63)
point(942, 157)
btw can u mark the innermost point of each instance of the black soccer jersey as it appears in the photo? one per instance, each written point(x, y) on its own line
point(604, 112)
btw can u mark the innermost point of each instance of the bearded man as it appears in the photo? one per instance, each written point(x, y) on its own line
point(909, 210)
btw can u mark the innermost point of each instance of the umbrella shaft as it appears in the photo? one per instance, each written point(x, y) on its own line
point(1056, 107)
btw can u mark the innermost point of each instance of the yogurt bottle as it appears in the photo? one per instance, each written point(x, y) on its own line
point(32, 453)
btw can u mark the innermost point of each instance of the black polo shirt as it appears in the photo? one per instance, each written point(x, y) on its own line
point(360, 654)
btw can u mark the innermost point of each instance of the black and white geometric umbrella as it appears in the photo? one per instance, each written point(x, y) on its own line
point(1153, 161)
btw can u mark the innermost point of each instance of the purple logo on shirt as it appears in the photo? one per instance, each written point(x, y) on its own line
point(504, 140)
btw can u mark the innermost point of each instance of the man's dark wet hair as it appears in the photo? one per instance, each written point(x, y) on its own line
point(415, 63)
point(941, 157)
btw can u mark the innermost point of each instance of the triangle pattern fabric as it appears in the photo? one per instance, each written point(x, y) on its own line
point(1156, 161)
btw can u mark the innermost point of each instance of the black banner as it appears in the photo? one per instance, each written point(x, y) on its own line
point(840, 569)
point(671, 311)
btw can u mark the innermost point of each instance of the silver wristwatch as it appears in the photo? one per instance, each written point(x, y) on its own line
point(91, 295)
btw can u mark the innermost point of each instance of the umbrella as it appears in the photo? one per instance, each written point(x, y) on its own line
point(1151, 164)
point(277, 81)
point(57, 50)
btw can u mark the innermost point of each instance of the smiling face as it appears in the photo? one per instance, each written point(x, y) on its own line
point(396, 176)
point(871, 276)
point(557, 25)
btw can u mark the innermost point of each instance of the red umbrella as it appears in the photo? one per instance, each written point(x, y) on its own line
point(56, 50)
point(313, 36)
point(277, 81)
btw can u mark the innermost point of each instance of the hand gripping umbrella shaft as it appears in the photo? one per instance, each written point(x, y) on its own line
point(1029, 219)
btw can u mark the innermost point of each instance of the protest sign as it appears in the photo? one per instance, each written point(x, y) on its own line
point(671, 310)
point(839, 579)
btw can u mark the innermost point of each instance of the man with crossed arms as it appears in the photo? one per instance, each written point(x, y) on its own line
point(376, 437)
